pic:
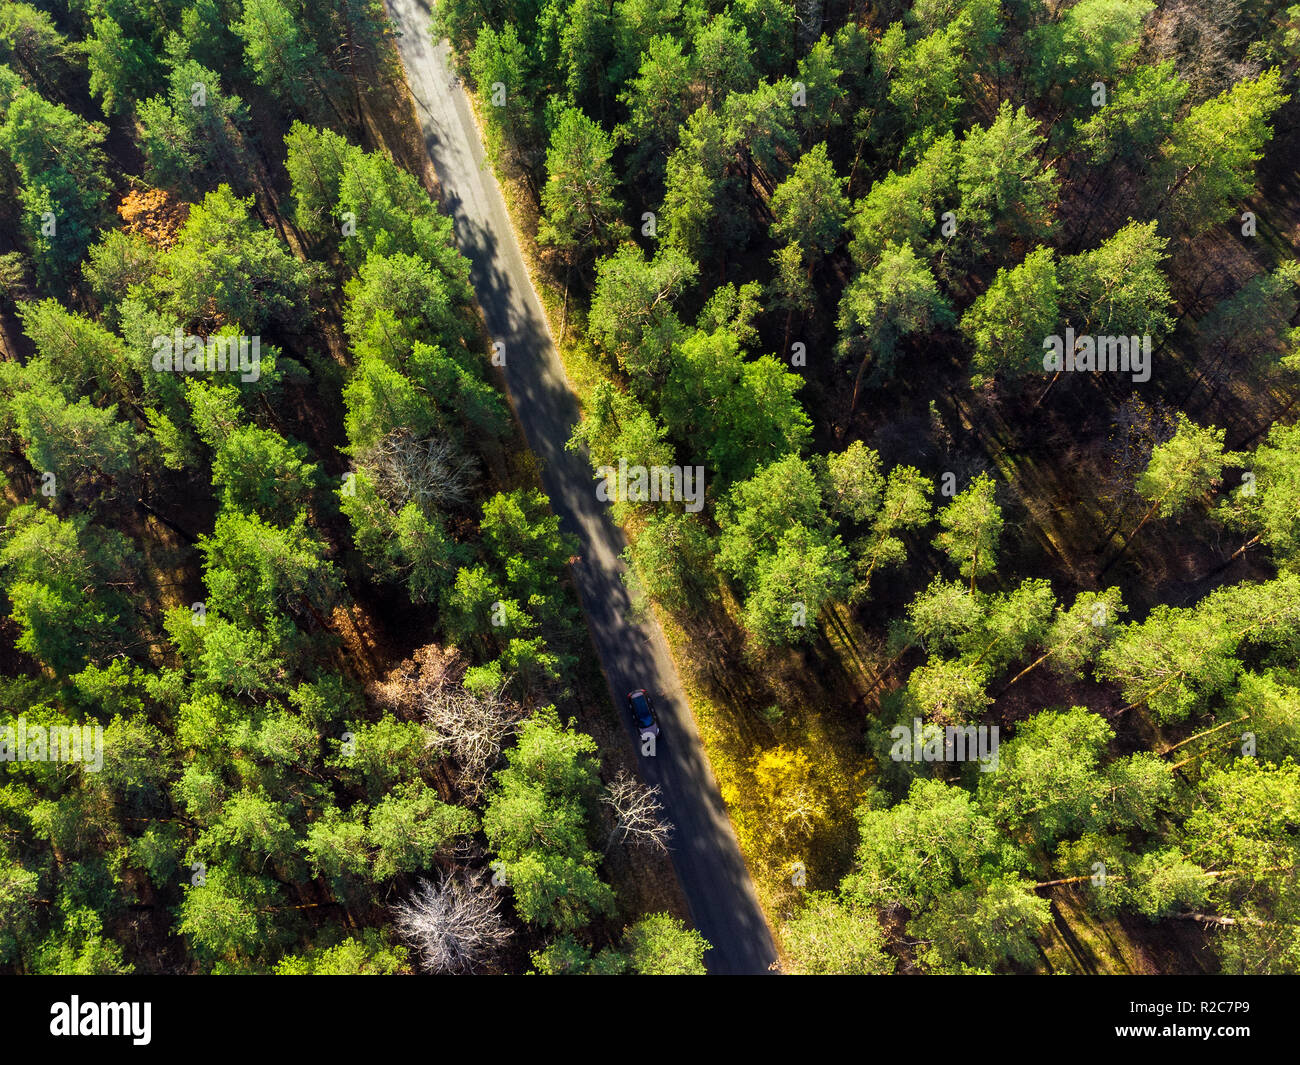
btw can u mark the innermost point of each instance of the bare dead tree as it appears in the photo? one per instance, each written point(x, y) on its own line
point(406, 686)
point(454, 925)
point(432, 472)
point(1206, 40)
point(472, 729)
point(638, 813)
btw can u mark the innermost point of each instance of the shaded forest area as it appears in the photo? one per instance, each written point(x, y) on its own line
point(270, 533)
point(821, 250)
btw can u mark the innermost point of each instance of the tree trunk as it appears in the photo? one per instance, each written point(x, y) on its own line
point(1128, 540)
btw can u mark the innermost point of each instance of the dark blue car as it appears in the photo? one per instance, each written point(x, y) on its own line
point(643, 712)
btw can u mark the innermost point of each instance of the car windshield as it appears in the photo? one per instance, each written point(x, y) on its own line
point(641, 709)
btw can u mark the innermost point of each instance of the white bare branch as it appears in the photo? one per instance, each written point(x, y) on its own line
point(638, 813)
point(472, 729)
point(431, 472)
point(454, 925)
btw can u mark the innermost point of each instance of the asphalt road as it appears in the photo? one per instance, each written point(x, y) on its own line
point(709, 865)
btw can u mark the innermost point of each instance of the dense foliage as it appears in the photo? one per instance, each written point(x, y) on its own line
point(823, 250)
point(319, 616)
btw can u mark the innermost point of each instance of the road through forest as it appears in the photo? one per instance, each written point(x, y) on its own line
point(634, 654)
